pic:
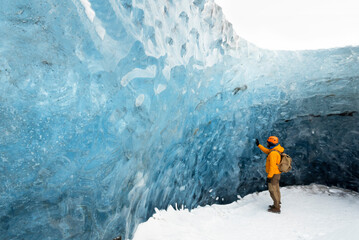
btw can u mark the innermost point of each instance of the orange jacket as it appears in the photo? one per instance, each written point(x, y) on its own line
point(273, 159)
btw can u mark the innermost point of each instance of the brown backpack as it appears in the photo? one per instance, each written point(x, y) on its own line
point(285, 164)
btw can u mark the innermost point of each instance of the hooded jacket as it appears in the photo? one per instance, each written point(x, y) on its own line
point(273, 159)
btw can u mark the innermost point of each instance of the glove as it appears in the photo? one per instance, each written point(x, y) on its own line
point(268, 180)
point(257, 142)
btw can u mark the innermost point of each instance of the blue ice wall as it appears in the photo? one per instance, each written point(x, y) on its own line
point(111, 108)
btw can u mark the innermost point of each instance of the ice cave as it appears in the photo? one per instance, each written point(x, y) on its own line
point(112, 108)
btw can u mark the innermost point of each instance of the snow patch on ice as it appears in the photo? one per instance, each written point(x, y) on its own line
point(139, 100)
point(160, 88)
point(149, 72)
point(101, 32)
point(88, 10)
point(91, 14)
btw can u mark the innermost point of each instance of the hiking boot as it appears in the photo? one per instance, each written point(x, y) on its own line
point(274, 210)
point(272, 206)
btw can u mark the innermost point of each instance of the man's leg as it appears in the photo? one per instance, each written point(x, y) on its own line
point(280, 200)
point(276, 190)
point(271, 191)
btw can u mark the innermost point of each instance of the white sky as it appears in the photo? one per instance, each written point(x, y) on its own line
point(294, 24)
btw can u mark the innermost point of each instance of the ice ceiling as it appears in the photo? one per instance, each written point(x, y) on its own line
point(111, 108)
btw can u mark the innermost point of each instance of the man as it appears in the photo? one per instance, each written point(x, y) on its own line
point(273, 159)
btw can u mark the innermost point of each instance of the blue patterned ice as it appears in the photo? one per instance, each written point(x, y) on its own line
point(111, 108)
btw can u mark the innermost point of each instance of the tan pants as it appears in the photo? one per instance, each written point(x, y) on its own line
point(274, 191)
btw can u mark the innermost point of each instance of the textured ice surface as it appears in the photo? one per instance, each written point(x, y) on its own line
point(111, 108)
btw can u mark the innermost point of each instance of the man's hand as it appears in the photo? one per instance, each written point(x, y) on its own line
point(268, 180)
point(257, 142)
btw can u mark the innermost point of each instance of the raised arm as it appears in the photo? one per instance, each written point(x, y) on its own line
point(264, 149)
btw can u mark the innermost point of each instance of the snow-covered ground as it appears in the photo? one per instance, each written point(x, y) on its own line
point(308, 212)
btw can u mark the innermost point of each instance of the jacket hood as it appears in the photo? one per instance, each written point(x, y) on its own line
point(278, 148)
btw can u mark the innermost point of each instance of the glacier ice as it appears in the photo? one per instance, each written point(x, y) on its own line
point(110, 109)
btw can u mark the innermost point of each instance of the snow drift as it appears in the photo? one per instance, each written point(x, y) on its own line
point(309, 212)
